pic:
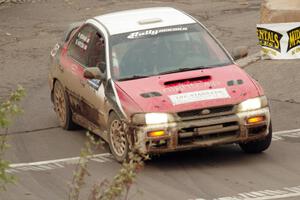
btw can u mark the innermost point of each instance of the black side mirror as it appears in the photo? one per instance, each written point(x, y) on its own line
point(102, 68)
point(239, 52)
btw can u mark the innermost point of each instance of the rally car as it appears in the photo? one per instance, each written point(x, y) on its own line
point(156, 80)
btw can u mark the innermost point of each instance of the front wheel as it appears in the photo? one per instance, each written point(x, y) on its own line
point(258, 146)
point(117, 139)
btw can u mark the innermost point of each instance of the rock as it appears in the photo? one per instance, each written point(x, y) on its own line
point(280, 11)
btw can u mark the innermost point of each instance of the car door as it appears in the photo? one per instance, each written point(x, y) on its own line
point(92, 90)
point(74, 61)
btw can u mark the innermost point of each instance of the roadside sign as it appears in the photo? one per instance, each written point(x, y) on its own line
point(279, 40)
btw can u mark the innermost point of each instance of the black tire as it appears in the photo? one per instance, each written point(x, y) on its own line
point(258, 146)
point(117, 139)
point(62, 107)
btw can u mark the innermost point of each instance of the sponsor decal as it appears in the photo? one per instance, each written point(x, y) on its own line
point(83, 38)
point(294, 38)
point(81, 44)
point(279, 40)
point(203, 95)
point(55, 50)
point(82, 41)
point(94, 83)
point(269, 38)
point(153, 32)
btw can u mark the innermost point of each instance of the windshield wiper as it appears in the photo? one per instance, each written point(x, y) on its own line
point(133, 77)
point(183, 69)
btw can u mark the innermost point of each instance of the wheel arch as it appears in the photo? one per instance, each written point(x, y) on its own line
point(111, 111)
point(52, 88)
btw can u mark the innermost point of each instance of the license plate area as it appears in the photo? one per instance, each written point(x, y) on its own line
point(208, 129)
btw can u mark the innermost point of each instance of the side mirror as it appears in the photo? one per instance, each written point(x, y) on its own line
point(239, 52)
point(92, 73)
point(102, 67)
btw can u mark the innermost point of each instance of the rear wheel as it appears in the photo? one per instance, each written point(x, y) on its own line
point(62, 107)
point(117, 139)
point(258, 146)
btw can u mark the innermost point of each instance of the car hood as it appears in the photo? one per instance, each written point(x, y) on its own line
point(188, 90)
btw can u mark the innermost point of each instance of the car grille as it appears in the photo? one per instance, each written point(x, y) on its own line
point(200, 113)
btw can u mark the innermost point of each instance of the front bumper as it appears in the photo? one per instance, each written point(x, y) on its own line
point(204, 132)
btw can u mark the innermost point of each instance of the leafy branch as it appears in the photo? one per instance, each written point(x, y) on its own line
point(8, 109)
point(122, 182)
point(81, 170)
point(106, 190)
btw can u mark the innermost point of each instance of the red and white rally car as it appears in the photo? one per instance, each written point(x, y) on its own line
point(157, 79)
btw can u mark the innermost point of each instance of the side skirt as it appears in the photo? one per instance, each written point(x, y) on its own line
point(82, 121)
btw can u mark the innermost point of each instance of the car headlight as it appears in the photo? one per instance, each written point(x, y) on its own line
point(253, 104)
point(156, 118)
point(152, 118)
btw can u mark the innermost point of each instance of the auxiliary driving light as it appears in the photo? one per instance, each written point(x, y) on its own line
point(156, 133)
point(253, 120)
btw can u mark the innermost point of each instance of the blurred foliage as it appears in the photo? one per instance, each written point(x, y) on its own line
point(81, 170)
point(8, 109)
point(118, 187)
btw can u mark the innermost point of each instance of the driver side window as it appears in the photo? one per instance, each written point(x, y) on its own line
point(87, 47)
point(80, 44)
point(97, 51)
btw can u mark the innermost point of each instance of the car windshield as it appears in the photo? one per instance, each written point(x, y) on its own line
point(164, 50)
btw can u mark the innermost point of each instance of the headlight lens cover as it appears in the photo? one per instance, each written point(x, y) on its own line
point(156, 118)
point(151, 118)
point(253, 104)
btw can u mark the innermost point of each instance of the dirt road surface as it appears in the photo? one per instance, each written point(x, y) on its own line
point(29, 30)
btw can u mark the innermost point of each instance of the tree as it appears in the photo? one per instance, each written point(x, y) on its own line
point(8, 109)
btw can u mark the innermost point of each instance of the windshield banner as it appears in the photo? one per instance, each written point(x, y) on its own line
point(279, 40)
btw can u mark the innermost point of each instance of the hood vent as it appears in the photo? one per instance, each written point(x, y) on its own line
point(187, 81)
point(150, 94)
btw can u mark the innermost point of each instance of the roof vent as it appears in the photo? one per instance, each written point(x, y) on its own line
point(149, 21)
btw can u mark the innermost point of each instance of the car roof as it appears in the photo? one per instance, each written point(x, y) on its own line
point(141, 19)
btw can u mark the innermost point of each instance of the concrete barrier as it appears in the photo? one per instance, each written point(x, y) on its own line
point(280, 11)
